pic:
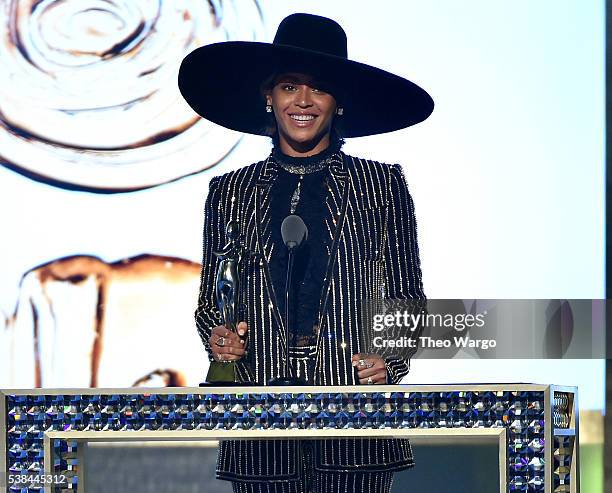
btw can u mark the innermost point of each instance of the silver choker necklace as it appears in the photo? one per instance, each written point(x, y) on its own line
point(313, 166)
point(302, 169)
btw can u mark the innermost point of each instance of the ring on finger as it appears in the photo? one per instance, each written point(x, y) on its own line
point(362, 362)
point(369, 364)
point(220, 342)
point(370, 381)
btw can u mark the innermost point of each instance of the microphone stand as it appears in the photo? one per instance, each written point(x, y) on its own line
point(287, 379)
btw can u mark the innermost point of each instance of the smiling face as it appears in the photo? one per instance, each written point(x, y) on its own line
point(304, 113)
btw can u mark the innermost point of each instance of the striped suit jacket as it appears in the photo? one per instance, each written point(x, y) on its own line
point(373, 255)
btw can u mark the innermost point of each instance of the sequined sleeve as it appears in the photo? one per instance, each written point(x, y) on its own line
point(402, 263)
point(207, 315)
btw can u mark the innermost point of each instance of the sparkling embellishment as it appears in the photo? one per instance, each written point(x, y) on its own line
point(295, 198)
point(28, 417)
point(302, 169)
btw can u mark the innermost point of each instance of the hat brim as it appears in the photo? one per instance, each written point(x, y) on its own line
point(222, 82)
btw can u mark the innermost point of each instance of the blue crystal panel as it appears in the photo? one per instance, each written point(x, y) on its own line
point(521, 413)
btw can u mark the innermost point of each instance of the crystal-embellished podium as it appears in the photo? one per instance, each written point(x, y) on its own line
point(45, 433)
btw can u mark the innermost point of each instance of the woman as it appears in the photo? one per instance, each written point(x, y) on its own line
point(305, 93)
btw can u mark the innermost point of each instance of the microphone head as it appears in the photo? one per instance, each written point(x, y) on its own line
point(293, 231)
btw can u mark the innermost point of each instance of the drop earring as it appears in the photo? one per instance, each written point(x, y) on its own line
point(340, 111)
point(269, 107)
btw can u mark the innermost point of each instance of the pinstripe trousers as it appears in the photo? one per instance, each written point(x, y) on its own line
point(311, 480)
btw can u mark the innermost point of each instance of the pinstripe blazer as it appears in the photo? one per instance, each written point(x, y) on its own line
point(373, 255)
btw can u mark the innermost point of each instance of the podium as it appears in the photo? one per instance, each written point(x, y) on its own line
point(45, 433)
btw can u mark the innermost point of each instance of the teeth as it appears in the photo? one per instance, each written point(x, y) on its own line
point(302, 118)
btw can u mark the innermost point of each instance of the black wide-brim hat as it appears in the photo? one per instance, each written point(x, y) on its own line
point(223, 81)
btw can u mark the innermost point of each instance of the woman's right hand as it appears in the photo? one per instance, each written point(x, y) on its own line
point(227, 345)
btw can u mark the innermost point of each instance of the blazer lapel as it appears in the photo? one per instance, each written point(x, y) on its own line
point(337, 201)
point(267, 176)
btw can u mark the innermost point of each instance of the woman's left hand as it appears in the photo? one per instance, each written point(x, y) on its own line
point(370, 368)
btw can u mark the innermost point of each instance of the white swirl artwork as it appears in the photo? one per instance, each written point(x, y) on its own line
point(88, 89)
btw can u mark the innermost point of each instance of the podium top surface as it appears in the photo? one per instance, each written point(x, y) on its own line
point(309, 389)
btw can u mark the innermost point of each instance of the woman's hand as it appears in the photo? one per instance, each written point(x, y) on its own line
point(370, 368)
point(227, 345)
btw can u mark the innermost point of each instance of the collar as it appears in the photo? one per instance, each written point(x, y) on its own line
point(307, 164)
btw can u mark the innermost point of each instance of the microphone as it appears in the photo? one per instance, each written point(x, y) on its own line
point(294, 232)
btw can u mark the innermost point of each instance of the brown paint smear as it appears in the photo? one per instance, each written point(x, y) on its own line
point(77, 269)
